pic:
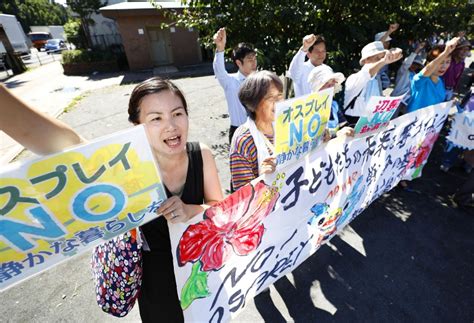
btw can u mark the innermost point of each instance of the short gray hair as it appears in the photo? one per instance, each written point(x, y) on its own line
point(255, 88)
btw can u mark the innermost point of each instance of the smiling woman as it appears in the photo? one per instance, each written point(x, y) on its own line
point(252, 143)
point(192, 185)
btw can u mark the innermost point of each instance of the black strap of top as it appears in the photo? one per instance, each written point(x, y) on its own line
point(193, 192)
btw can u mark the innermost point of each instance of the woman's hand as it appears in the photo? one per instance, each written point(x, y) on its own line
point(451, 45)
point(268, 165)
point(346, 131)
point(326, 135)
point(174, 210)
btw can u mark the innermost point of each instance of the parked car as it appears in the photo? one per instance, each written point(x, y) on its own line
point(39, 39)
point(55, 45)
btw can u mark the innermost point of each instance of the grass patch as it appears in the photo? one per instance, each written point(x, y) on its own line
point(74, 102)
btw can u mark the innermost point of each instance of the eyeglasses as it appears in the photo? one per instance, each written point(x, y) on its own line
point(274, 98)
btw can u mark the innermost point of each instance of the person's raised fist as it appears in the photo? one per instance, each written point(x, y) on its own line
point(451, 45)
point(220, 39)
point(393, 55)
point(393, 27)
point(308, 41)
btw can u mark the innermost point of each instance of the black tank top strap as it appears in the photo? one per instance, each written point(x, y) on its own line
point(193, 192)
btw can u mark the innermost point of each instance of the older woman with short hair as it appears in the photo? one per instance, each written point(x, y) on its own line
point(252, 143)
point(252, 147)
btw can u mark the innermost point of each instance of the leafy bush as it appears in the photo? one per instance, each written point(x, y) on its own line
point(86, 56)
point(75, 33)
point(72, 28)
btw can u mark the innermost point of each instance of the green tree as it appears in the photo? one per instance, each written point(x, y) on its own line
point(74, 33)
point(35, 12)
point(277, 27)
point(85, 9)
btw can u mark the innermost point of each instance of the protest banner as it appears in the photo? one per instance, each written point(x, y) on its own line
point(380, 111)
point(240, 246)
point(61, 205)
point(462, 130)
point(300, 124)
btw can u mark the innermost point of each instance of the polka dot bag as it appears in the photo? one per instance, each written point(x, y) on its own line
point(117, 268)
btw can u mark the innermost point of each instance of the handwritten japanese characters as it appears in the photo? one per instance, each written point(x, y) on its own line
point(380, 111)
point(264, 231)
point(300, 124)
point(58, 206)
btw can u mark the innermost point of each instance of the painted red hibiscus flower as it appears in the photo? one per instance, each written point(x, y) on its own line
point(418, 155)
point(422, 155)
point(231, 226)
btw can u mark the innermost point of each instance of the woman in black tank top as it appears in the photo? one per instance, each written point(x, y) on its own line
point(192, 184)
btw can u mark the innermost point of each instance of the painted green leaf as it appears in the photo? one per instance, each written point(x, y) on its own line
point(195, 287)
point(417, 171)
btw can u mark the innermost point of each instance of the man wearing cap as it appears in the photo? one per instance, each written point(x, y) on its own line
point(322, 77)
point(384, 37)
point(362, 85)
point(314, 48)
point(453, 74)
point(410, 66)
point(245, 58)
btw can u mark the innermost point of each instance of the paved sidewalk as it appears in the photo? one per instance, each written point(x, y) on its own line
point(47, 89)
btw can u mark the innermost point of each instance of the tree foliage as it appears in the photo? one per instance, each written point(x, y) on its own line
point(35, 12)
point(75, 33)
point(277, 27)
point(85, 9)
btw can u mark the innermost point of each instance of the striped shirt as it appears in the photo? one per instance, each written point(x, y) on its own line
point(243, 157)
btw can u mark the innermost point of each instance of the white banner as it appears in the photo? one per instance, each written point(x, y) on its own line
point(265, 230)
point(462, 130)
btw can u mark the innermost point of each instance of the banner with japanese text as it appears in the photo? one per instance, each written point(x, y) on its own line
point(240, 246)
point(300, 125)
point(462, 130)
point(380, 110)
point(58, 206)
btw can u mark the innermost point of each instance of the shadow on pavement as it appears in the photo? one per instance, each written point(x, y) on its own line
point(198, 70)
point(418, 266)
point(13, 84)
point(132, 78)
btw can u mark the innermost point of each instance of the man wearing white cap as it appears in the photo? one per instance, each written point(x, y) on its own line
point(362, 85)
point(384, 37)
point(322, 77)
point(313, 48)
point(410, 66)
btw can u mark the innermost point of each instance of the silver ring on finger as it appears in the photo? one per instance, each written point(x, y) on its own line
point(173, 215)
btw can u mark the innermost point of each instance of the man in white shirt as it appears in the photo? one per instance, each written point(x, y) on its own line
point(362, 85)
point(314, 48)
point(245, 58)
point(384, 37)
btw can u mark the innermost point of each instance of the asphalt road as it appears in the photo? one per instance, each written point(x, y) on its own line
point(408, 257)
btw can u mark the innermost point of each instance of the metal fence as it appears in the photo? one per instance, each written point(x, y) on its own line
point(41, 58)
point(106, 41)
